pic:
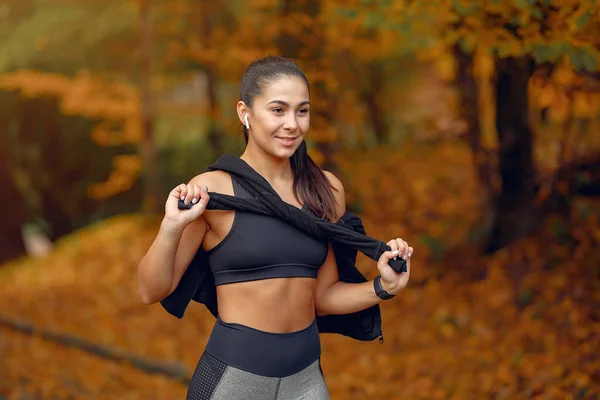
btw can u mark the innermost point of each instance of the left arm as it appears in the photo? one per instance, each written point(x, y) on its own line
point(336, 297)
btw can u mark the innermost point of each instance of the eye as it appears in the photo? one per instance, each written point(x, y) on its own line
point(277, 110)
point(303, 111)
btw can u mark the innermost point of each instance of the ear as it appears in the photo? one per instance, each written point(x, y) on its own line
point(242, 110)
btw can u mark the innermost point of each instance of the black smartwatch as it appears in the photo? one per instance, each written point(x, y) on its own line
point(380, 291)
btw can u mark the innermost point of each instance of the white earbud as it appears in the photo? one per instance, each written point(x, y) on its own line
point(246, 121)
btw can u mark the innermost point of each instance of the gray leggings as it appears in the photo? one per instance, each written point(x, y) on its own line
point(215, 380)
point(241, 362)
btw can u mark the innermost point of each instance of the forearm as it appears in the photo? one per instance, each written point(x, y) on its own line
point(156, 268)
point(347, 298)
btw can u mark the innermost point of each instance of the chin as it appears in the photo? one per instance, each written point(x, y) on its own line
point(284, 153)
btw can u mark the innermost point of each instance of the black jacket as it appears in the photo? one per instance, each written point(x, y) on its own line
point(346, 236)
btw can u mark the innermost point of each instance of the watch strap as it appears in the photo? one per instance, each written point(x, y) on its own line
point(379, 290)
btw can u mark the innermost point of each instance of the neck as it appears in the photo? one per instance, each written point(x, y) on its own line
point(273, 169)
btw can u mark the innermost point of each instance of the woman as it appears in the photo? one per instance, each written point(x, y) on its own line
point(272, 280)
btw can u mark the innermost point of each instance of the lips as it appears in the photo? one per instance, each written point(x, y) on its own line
point(287, 141)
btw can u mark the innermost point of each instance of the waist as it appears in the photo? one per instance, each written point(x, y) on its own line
point(273, 305)
point(264, 353)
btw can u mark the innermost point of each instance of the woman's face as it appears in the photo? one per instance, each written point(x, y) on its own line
point(280, 117)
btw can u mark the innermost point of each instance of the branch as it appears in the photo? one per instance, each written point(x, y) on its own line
point(175, 371)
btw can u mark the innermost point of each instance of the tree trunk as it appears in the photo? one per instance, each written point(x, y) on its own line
point(13, 208)
point(12, 215)
point(469, 112)
point(515, 214)
point(372, 97)
point(149, 146)
point(214, 134)
point(54, 208)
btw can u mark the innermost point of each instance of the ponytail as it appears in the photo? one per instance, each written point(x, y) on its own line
point(312, 186)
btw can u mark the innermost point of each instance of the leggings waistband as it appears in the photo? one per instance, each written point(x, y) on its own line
point(264, 353)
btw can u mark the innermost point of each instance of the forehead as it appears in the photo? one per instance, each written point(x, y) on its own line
point(291, 89)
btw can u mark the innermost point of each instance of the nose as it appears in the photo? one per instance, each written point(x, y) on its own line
point(290, 123)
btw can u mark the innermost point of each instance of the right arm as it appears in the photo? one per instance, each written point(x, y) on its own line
point(180, 235)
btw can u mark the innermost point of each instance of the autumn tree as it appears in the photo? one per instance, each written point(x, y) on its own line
point(41, 153)
point(521, 37)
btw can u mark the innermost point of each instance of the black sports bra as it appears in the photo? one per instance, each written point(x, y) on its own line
point(262, 247)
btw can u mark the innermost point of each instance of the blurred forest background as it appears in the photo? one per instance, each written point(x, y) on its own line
point(467, 127)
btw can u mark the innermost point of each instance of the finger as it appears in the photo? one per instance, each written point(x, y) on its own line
point(393, 244)
point(410, 251)
point(204, 197)
point(182, 191)
point(401, 247)
point(406, 250)
point(189, 194)
point(177, 189)
point(196, 194)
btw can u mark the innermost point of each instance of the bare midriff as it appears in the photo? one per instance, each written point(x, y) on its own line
point(278, 305)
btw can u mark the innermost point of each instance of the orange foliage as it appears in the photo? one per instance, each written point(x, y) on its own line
point(117, 105)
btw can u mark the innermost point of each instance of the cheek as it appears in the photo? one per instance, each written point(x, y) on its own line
point(269, 121)
point(305, 123)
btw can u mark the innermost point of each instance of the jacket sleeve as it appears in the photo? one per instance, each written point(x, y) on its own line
point(362, 325)
point(195, 284)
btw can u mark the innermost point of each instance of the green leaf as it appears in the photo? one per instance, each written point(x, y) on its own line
point(584, 59)
point(467, 44)
point(435, 245)
point(583, 20)
point(349, 13)
point(526, 297)
point(504, 51)
point(464, 8)
point(590, 62)
point(521, 4)
point(374, 19)
point(540, 54)
point(548, 52)
point(537, 13)
point(577, 60)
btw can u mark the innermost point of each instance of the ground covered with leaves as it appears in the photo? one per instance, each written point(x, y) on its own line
point(522, 323)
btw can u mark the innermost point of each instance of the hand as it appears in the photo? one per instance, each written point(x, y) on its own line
point(189, 193)
point(392, 281)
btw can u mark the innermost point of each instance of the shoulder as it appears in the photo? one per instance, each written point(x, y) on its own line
point(338, 192)
point(216, 181)
point(334, 181)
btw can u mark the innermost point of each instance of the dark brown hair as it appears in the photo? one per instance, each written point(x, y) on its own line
point(310, 183)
